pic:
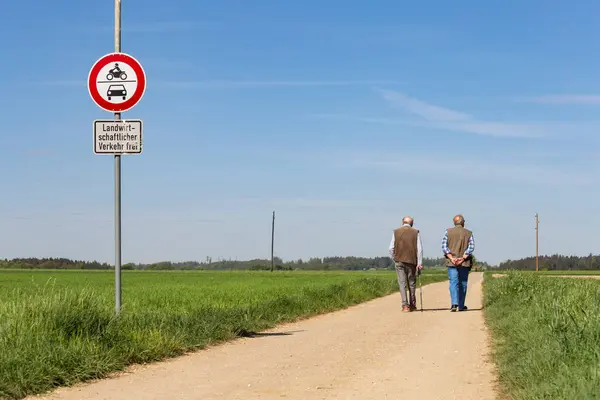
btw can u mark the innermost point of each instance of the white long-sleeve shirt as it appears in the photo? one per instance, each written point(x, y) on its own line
point(419, 247)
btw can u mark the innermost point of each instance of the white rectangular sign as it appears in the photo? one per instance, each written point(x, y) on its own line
point(118, 137)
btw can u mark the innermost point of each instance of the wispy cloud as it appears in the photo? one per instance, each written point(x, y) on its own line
point(565, 99)
point(425, 110)
point(323, 203)
point(224, 84)
point(358, 118)
point(169, 64)
point(477, 170)
point(149, 64)
point(478, 127)
point(434, 116)
point(63, 83)
point(268, 83)
point(162, 26)
point(306, 202)
point(39, 152)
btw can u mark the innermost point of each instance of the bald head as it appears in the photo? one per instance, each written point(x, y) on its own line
point(407, 220)
point(459, 220)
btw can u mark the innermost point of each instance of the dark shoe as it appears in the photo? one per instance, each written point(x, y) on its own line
point(465, 308)
point(454, 308)
point(413, 308)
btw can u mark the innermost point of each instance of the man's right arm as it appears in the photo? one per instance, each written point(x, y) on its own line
point(471, 247)
point(419, 250)
point(392, 245)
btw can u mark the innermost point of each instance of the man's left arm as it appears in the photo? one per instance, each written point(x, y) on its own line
point(470, 247)
point(445, 249)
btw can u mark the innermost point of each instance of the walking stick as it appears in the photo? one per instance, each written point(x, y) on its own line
point(420, 290)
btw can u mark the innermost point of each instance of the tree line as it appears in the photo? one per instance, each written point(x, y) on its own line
point(555, 262)
point(315, 263)
point(546, 262)
point(51, 263)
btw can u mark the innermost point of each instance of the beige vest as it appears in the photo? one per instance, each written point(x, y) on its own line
point(405, 248)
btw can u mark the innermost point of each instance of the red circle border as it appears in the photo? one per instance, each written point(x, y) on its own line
point(93, 76)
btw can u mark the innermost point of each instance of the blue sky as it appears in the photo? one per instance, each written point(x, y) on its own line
point(341, 116)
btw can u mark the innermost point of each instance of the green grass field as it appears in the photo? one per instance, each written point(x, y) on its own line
point(546, 335)
point(57, 327)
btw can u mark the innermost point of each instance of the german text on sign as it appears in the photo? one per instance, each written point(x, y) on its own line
point(118, 136)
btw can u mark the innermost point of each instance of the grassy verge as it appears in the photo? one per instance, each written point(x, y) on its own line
point(57, 328)
point(546, 335)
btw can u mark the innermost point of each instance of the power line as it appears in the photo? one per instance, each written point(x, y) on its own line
point(272, 239)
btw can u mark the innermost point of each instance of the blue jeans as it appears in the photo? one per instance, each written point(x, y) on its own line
point(459, 277)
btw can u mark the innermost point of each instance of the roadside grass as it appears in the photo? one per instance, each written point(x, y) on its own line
point(546, 335)
point(57, 328)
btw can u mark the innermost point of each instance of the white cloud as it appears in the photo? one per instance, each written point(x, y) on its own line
point(438, 117)
point(473, 170)
point(162, 26)
point(38, 152)
point(70, 83)
point(226, 83)
point(565, 99)
point(308, 202)
point(424, 110)
point(165, 26)
point(528, 130)
point(267, 83)
point(324, 203)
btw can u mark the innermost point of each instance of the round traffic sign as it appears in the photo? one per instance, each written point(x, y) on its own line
point(117, 82)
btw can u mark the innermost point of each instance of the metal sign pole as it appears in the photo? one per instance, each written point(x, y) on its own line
point(117, 179)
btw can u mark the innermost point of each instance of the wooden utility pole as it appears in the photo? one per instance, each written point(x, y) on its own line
point(537, 261)
point(272, 239)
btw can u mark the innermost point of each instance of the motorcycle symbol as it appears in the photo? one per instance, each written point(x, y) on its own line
point(116, 73)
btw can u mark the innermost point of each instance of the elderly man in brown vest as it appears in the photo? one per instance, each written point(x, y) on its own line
point(458, 246)
point(406, 250)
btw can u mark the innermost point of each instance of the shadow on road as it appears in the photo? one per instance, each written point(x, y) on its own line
point(250, 334)
point(448, 309)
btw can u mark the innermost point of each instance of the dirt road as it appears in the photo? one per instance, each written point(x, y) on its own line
point(370, 351)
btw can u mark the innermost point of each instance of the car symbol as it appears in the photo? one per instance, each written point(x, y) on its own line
point(116, 91)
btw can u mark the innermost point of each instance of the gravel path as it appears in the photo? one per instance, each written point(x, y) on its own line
point(369, 351)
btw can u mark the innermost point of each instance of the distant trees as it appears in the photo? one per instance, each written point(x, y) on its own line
point(547, 262)
point(314, 263)
point(52, 263)
point(554, 262)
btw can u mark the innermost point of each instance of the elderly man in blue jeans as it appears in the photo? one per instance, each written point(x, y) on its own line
point(458, 246)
